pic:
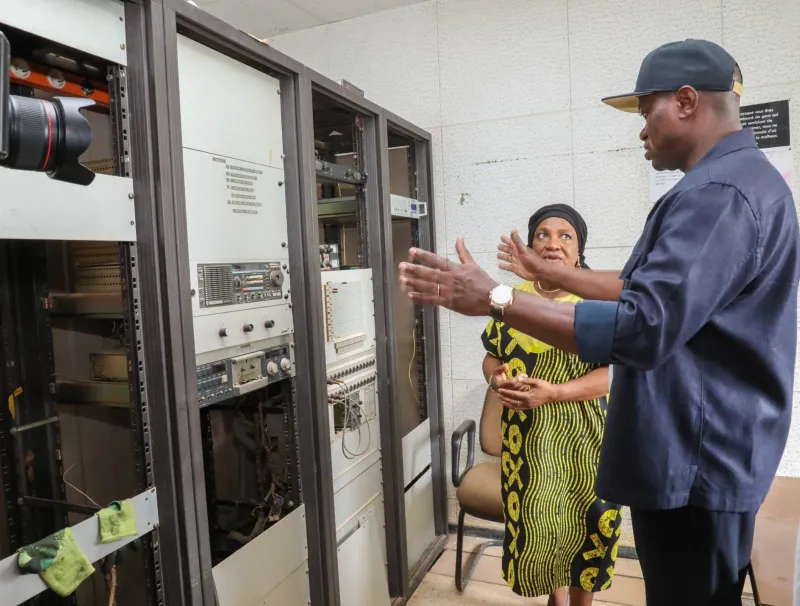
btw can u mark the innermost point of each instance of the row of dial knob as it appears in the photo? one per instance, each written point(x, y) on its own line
point(225, 332)
point(285, 366)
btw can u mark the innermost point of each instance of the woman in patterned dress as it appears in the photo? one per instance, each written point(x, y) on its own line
point(560, 539)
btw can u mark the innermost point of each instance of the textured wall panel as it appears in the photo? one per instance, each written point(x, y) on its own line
point(502, 59)
point(444, 343)
point(439, 188)
point(612, 193)
point(602, 128)
point(608, 41)
point(393, 56)
point(498, 173)
point(308, 46)
point(447, 410)
point(607, 258)
point(764, 37)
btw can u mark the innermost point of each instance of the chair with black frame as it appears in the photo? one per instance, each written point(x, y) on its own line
point(478, 486)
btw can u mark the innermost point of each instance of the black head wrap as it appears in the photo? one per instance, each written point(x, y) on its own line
point(569, 214)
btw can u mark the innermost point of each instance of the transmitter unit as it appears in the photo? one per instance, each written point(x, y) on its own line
point(225, 379)
point(221, 284)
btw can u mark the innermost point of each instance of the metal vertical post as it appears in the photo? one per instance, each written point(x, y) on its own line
point(376, 138)
point(316, 472)
point(132, 326)
point(431, 328)
point(183, 551)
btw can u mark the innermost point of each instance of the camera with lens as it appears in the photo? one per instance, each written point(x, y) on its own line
point(42, 136)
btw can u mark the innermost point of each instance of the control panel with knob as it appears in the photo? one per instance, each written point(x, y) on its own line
point(269, 324)
point(223, 332)
point(221, 284)
point(225, 379)
point(248, 328)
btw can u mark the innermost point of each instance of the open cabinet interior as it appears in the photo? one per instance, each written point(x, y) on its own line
point(74, 426)
point(341, 196)
point(354, 404)
point(252, 477)
point(412, 400)
point(409, 206)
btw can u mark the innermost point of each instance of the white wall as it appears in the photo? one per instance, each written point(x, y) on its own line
point(510, 91)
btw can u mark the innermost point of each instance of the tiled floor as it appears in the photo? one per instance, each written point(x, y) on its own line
point(487, 587)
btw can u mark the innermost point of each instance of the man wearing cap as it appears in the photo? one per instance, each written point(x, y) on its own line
point(700, 325)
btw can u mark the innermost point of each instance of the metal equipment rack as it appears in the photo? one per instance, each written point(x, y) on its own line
point(171, 430)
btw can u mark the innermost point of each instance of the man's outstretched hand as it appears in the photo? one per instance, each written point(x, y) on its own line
point(517, 258)
point(463, 287)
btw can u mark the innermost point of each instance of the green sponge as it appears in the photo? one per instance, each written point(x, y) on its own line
point(58, 560)
point(117, 521)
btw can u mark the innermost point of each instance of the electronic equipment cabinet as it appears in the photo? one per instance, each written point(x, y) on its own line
point(222, 299)
point(88, 413)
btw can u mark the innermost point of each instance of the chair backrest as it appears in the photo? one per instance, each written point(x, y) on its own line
point(490, 433)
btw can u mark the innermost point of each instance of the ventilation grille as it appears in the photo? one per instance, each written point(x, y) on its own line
point(217, 281)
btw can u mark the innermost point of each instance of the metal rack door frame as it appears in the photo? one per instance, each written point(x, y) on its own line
point(153, 28)
point(423, 155)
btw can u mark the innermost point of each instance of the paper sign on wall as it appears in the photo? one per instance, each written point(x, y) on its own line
point(770, 123)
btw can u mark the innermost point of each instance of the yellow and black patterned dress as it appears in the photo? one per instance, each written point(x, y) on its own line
point(558, 533)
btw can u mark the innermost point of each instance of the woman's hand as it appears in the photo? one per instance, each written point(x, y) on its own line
point(527, 393)
point(517, 258)
point(499, 379)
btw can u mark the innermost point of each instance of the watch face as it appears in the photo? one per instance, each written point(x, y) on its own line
point(502, 295)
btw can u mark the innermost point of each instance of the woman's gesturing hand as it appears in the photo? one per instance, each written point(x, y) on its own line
point(527, 393)
point(499, 379)
point(517, 258)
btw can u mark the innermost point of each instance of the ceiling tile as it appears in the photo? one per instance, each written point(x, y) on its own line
point(263, 18)
point(330, 12)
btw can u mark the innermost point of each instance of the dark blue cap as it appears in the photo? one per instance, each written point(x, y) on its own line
point(703, 65)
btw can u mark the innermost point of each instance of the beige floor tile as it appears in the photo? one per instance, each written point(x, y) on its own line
point(489, 569)
point(626, 590)
point(437, 590)
point(469, 542)
point(628, 568)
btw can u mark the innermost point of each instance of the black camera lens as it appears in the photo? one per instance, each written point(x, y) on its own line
point(49, 137)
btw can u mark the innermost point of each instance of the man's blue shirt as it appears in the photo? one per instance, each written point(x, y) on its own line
point(703, 340)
